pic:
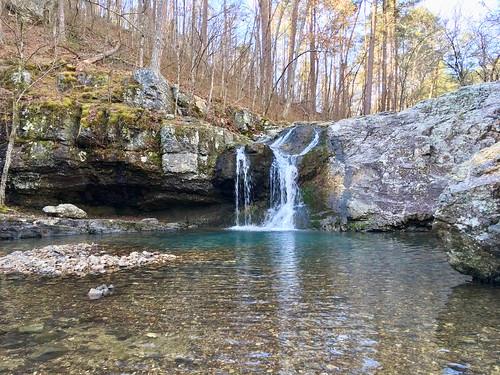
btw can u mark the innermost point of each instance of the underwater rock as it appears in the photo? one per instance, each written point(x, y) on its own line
point(101, 291)
point(31, 328)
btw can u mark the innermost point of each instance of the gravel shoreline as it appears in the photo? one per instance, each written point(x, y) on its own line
point(76, 260)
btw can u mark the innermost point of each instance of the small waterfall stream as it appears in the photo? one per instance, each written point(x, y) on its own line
point(285, 197)
point(285, 193)
point(242, 187)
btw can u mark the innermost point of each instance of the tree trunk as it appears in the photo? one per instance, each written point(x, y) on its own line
point(2, 37)
point(108, 10)
point(367, 102)
point(384, 63)
point(290, 76)
point(313, 58)
point(141, 9)
point(157, 51)
point(98, 57)
point(204, 25)
point(10, 148)
point(61, 21)
point(194, 44)
point(266, 58)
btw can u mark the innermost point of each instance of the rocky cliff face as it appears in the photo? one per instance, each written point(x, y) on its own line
point(388, 170)
point(468, 216)
point(127, 152)
point(126, 165)
point(437, 160)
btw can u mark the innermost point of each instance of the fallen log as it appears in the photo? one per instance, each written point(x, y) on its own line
point(100, 56)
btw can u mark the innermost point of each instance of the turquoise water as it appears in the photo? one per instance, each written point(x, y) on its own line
point(257, 302)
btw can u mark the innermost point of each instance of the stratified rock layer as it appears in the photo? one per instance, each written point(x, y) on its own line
point(123, 165)
point(14, 227)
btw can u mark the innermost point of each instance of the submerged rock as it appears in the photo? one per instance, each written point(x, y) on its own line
point(31, 328)
point(65, 210)
point(101, 291)
point(77, 260)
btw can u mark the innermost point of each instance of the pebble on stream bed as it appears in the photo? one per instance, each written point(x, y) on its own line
point(76, 260)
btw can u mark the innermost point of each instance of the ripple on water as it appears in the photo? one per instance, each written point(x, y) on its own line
point(277, 302)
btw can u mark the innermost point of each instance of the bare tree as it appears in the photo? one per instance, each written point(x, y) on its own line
point(367, 102)
point(290, 77)
point(156, 54)
point(266, 69)
point(460, 49)
point(61, 21)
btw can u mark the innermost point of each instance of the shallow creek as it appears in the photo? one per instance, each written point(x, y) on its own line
point(256, 302)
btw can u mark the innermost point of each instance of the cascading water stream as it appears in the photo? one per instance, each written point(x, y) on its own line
point(285, 194)
point(242, 185)
point(285, 197)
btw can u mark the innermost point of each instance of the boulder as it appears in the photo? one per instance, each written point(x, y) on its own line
point(22, 78)
point(101, 291)
point(387, 171)
point(154, 92)
point(189, 104)
point(245, 121)
point(192, 149)
point(34, 10)
point(65, 210)
point(468, 216)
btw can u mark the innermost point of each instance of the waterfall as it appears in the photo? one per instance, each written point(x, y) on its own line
point(284, 190)
point(285, 197)
point(242, 188)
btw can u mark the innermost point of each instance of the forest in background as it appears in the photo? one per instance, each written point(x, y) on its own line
point(286, 60)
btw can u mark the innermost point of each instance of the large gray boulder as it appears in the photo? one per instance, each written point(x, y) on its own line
point(468, 217)
point(154, 92)
point(34, 10)
point(245, 121)
point(387, 171)
point(65, 210)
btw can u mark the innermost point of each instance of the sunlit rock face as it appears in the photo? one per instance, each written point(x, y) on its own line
point(402, 170)
point(469, 213)
point(388, 170)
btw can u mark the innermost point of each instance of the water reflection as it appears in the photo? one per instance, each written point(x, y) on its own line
point(291, 302)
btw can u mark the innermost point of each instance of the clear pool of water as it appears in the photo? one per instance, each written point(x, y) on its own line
point(257, 302)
